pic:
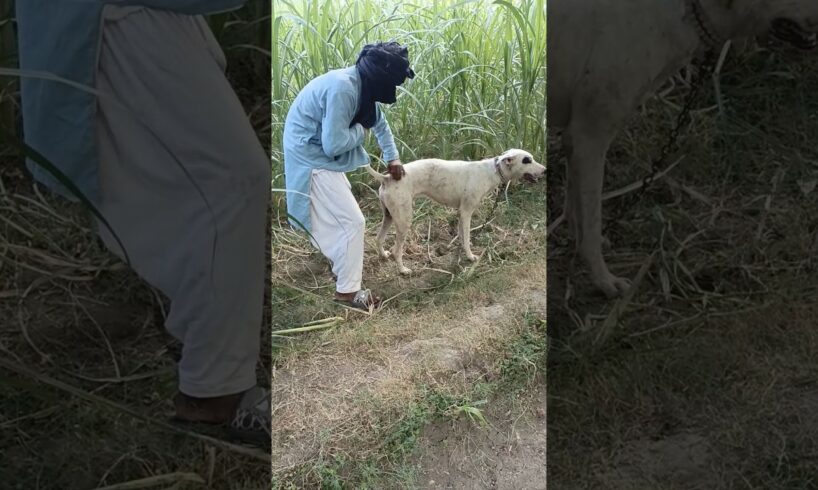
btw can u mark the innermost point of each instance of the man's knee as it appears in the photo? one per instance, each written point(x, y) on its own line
point(358, 222)
point(353, 227)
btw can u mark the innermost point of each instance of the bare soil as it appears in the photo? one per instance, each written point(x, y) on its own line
point(507, 455)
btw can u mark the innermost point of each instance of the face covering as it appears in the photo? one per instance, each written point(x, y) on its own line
point(382, 67)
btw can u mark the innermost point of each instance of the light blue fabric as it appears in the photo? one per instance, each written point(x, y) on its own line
point(317, 136)
point(62, 37)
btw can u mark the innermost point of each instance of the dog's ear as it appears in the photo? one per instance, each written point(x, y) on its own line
point(506, 158)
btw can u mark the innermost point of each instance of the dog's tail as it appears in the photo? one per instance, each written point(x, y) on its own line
point(379, 177)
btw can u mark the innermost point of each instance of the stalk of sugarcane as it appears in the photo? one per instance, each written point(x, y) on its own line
point(308, 327)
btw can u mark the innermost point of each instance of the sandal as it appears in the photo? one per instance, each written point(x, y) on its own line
point(364, 300)
point(252, 419)
point(247, 416)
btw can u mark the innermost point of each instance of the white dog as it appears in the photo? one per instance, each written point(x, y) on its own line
point(607, 56)
point(457, 184)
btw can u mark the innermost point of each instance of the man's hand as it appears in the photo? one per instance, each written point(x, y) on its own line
point(396, 169)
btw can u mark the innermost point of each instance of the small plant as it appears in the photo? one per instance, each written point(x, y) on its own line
point(402, 440)
point(523, 359)
point(446, 405)
point(330, 480)
point(474, 413)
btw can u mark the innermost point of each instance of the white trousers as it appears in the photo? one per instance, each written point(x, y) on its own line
point(337, 226)
point(203, 248)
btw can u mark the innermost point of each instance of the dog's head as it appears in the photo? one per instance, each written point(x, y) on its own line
point(520, 165)
point(792, 21)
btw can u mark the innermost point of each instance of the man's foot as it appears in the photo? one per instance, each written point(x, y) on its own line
point(247, 415)
point(362, 300)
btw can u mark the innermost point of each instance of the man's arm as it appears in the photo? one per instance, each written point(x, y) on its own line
point(387, 144)
point(384, 136)
point(336, 135)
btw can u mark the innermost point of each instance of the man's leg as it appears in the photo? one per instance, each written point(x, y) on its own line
point(338, 227)
point(185, 183)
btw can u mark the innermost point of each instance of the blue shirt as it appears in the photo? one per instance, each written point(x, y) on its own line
point(62, 37)
point(317, 135)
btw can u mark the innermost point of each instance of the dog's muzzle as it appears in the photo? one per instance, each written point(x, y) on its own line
point(791, 32)
point(531, 178)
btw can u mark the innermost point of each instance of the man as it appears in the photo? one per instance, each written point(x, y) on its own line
point(323, 138)
point(167, 154)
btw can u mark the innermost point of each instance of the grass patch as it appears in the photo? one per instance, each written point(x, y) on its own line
point(523, 360)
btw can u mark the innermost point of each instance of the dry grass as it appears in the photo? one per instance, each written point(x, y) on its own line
point(708, 373)
point(343, 394)
point(88, 370)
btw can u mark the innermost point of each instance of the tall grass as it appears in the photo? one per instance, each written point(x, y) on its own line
point(480, 65)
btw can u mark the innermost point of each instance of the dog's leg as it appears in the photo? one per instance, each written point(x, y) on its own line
point(401, 230)
point(568, 213)
point(587, 171)
point(464, 227)
point(385, 224)
point(402, 218)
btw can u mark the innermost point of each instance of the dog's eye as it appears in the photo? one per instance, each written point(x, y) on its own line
point(526, 160)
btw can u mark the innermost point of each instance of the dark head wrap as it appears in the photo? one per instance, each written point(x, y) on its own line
point(382, 67)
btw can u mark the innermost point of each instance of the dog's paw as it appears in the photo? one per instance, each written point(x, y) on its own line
point(472, 257)
point(385, 254)
point(612, 286)
point(405, 271)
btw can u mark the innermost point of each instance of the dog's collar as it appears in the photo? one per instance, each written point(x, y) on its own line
point(497, 167)
point(707, 32)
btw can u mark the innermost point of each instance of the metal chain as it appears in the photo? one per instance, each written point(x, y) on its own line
point(706, 67)
point(497, 193)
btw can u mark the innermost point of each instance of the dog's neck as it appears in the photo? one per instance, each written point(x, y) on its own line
point(498, 168)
